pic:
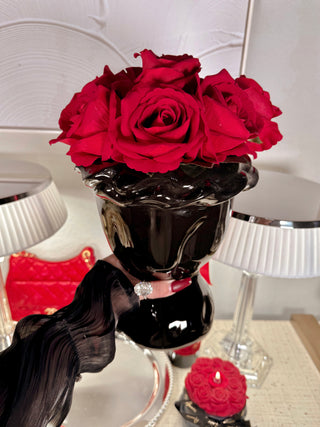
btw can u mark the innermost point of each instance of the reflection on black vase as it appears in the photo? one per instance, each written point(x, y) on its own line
point(172, 322)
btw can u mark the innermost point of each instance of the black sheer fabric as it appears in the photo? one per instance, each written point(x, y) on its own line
point(48, 353)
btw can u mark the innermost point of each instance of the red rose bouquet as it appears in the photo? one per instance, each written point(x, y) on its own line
point(155, 117)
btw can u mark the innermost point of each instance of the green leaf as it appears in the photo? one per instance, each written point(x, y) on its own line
point(256, 140)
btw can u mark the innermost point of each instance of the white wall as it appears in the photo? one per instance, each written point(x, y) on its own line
point(284, 57)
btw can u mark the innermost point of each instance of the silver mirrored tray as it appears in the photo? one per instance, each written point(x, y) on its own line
point(132, 391)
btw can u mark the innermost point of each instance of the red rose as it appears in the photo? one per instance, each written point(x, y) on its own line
point(238, 114)
point(86, 121)
point(237, 398)
point(195, 380)
point(158, 128)
point(237, 406)
point(203, 365)
point(219, 402)
point(236, 384)
point(121, 82)
point(202, 394)
point(259, 97)
point(217, 363)
point(181, 71)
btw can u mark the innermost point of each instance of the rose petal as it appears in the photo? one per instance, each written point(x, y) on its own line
point(221, 119)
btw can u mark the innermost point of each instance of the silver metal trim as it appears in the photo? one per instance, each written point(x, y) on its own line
point(41, 185)
point(18, 173)
point(275, 222)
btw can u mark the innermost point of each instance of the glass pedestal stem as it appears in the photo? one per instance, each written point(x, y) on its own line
point(237, 345)
point(243, 315)
point(6, 323)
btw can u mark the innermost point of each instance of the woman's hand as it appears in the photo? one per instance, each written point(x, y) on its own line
point(161, 288)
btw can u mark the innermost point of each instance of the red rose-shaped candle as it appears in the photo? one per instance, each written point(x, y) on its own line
point(217, 387)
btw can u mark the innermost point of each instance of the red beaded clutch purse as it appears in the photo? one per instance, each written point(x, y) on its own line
point(37, 286)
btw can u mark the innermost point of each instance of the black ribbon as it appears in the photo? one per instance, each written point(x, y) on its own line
point(49, 352)
point(197, 416)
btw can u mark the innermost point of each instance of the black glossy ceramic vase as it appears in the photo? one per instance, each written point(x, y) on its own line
point(165, 226)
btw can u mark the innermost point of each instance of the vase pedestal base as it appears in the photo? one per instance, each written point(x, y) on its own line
point(172, 323)
point(248, 355)
point(186, 356)
point(180, 361)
